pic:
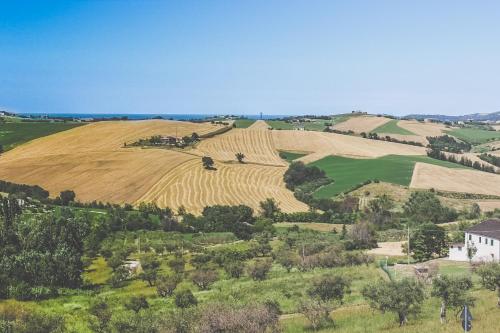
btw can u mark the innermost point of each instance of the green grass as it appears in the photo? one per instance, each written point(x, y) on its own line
point(13, 134)
point(244, 123)
point(348, 172)
point(289, 156)
point(474, 136)
point(391, 127)
point(279, 124)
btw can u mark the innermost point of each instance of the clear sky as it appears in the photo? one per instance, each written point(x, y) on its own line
point(246, 57)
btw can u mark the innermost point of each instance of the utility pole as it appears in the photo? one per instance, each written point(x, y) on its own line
point(408, 244)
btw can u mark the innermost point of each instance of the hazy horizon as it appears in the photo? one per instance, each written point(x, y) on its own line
point(274, 57)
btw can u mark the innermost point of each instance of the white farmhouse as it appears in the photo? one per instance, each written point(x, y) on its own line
point(481, 243)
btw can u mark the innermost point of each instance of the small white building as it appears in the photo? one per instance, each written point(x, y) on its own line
point(481, 243)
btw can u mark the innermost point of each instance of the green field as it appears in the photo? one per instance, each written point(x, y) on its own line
point(348, 172)
point(392, 127)
point(243, 123)
point(289, 156)
point(279, 124)
point(15, 133)
point(474, 136)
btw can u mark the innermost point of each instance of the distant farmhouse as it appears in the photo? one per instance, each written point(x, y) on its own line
point(481, 243)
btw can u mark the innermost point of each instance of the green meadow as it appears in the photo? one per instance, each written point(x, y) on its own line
point(290, 156)
point(349, 172)
point(243, 123)
point(392, 127)
point(474, 136)
point(13, 134)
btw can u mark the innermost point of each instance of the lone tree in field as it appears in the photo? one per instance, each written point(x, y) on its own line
point(269, 208)
point(208, 162)
point(240, 157)
point(490, 277)
point(453, 293)
point(401, 297)
point(66, 197)
point(324, 291)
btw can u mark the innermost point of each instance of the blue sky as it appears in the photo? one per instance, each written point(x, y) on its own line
point(246, 57)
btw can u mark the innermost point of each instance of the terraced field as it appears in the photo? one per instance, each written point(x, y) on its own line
point(195, 187)
point(257, 145)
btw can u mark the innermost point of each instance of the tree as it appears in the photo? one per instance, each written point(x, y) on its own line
point(240, 157)
point(427, 241)
point(66, 197)
point(453, 292)
point(287, 258)
point(323, 292)
point(269, 208)
point(380, 211)
point(490, 277)
point(1, 149)
point(234, 268)
point(150, 268)
point(204, 278)
point(137, 303)
point(177, 264)
point(361, 236)
point(258, 269)
point(403, 297)
point(166, 284)
point(423, 207)
point(185, 299)
point(208, 162)
point(101, 310)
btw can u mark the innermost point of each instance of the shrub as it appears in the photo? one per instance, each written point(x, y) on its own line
point(258, 269)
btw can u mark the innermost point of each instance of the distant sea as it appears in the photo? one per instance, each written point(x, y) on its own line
point(141, 116)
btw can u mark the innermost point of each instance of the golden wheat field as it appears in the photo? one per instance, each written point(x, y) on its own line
point(92, 161)
point(195, 187)
point(256, 144)
point(426, 176)
point(422, 129)
point(320, 144)
point(360, 124)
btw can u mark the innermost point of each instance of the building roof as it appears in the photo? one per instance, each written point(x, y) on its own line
point(489, 228)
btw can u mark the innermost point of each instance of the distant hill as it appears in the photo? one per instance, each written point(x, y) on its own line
point(494, 116)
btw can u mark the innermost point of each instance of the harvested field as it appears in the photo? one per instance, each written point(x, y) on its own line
point(259, 125)
point(320, 144)
point(489, 205)
point(195, 187)
point(256, 144)
point(321, 227)
point(361, 124)
point(91, 161)
point(455, 180)
point(414, 138)
point(388, 249)
point(423, 129)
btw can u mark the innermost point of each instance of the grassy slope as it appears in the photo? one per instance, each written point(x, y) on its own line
point(392, 127)
point(279, 124)
point(243, 123)
point(474, 135)
point(348, 172)
point(15, 133)
point(289, 156)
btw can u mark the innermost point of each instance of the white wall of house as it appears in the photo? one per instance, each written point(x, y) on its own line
point(458, 253)
point(488, 249)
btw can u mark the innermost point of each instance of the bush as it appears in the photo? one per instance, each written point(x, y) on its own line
point(258, 269)
point(23, 292)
